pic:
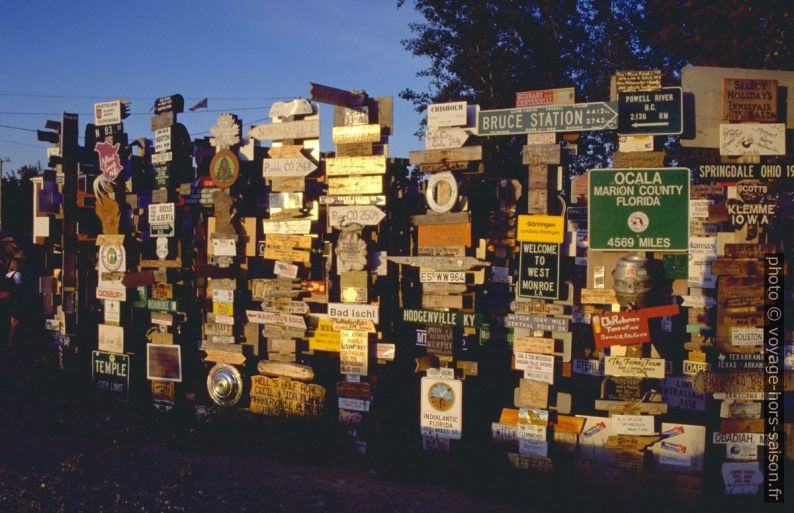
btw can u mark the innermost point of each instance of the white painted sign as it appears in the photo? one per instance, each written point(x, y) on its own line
point(107, 113)
point(442, 192)
point(753, 139)
point(741, 452)
point(353, 352)
point(445, 138)
point(741, 478)
point(702, 252)
point(677, 392)
point(699, 208)
point(747, 336)
point(633, 424)
point(533, 448)
point(446, 114)
point(287, 167)
point(634, 367)
point(111, 338)
point(162, 158)
point(441, 411)
point(161, 219)
point(442, 277)
point(112, 312)
point(285, 270)
point(629, 143)
point(162, 140)
point(698, 301)
point(352, 311)
point(347, 403)
point(289, 227)
point(539, 367)
point(364, 215)
point(692, 367)
point(737, 438)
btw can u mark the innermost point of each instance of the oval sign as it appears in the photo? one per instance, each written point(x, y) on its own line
point(224, 169)
point(442, 192)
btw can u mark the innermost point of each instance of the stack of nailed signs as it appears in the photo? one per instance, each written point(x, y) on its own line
point(449, 270)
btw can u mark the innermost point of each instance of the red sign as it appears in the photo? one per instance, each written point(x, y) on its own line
point(533, 98)
point(109, 161)
point(623, 328)
point(620, 328)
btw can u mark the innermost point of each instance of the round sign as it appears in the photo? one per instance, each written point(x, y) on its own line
point(441, 396)
point(112, 256)
point(224, 169)
point(442, 192)
point(638, 221)
point(225, 384)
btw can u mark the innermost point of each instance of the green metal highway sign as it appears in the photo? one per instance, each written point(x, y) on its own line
point(639, 209)
point(577, 117)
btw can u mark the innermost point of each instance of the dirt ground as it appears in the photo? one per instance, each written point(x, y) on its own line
point(62, 450)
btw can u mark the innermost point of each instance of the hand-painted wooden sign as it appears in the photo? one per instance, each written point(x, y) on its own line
point(536, 322)
point(342, 185)
point(634, 367)
point(284, 369)
point(747, 99)
point(753, 139)
point(356, 134)
point(282, 167)
point(162, 217)
point(430, 263)
point(465, 153)
point(224, 169)
point(445, 138)
point(367, 165)
point(354, 352)
point(377, 199)
point(285, 397)
point(364, 215)
point(303, 129)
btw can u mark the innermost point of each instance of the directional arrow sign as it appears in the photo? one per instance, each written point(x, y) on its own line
point(651, 112)
point(277, 168)
point(444, 138)
point(365, 215)
point(577, 117)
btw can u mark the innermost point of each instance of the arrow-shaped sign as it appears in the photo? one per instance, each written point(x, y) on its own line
point(364, 215)
point(295, 166)
point(577, 117)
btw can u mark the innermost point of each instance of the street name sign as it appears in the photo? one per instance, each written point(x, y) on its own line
point(577, 117)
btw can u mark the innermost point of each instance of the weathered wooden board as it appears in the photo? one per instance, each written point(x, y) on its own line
point(287, 167)
point(638, 159)
point(640, 80)
point(356, 134)
point(444, 235)
point(466, 153)
point(445, 138)
point(303, 129)
point(753, 100)
point(355, 150)
point(539, 154)
point(369, 165)
point(367, 184)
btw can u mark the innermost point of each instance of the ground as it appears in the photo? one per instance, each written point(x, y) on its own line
point(63, 449)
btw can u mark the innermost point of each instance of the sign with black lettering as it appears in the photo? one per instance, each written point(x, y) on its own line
point(539, 270)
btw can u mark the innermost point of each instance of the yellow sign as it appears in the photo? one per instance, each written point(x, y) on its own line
point(325, 338)
point(285, 397)
point(538, 228)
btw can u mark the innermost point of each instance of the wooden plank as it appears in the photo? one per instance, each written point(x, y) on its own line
point(730, 267)
point(463, 302)
point(742, 250)
point(370, 165)
point(745, 99)
point(277, 240)
point(355, 150)
point(463, 165)
point(288, 370)
point(632, 406)
point(303, 129)
point(742, 426)
point(356, 134)
point(367, 184)
point(444, 288)
point(638, 159)
point(466, 153)
point(364, 215)
point(287, 167)
point(285, 151)
point(444, 235)
point(445, 138)
point(445, 218)
point(537, 154)
point(287, 255)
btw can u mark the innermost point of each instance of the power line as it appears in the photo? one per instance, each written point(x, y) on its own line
point(18, 128)
point(24, 144)
point(152, 98)
point(228, 109)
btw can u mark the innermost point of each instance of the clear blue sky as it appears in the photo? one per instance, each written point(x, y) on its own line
point(255, 51)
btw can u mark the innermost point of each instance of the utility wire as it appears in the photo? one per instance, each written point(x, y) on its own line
point(24, 144)
point(228, 109)
point(105, 97)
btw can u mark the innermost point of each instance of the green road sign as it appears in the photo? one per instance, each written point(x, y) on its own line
point(111, 374)
point(539, 270)
point(577, 117)
point(651, 112)
point(639, 209)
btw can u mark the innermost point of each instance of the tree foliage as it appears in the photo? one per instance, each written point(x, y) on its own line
point(485, 51)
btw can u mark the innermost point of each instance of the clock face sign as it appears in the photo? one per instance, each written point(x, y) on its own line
point(224, 169)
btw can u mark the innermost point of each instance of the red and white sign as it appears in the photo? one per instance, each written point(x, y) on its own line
point(109, 161)
point(621, 328)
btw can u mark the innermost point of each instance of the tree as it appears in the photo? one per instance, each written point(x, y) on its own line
point(485, 51)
